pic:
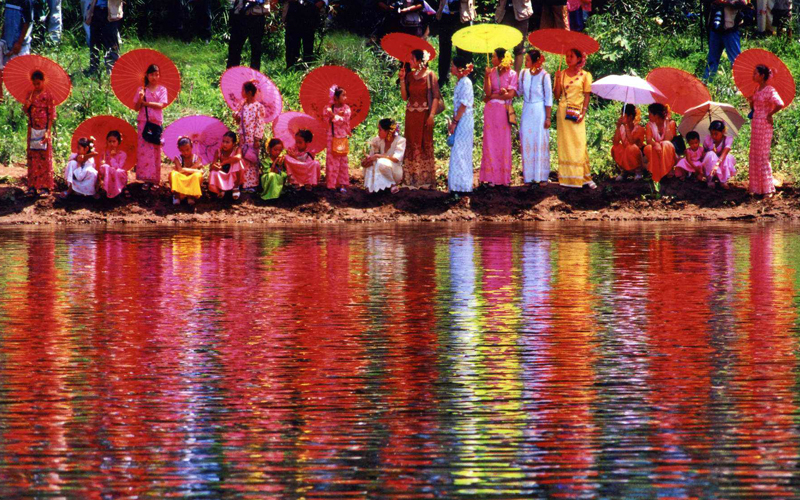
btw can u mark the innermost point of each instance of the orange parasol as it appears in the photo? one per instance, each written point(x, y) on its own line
point(681, 90)
point(129, 72)
point(400, 46)
point(558, 41)
point(99, 127)
point(287, 125)
point(781, 78)
point(315, 92)
point(17, 77)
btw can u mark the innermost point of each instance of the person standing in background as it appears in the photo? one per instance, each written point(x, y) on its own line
point(452, 16)
point(246, 21)
point(517, 14)
point(553, 14)
point(302, 19)
point(723, 34)
point(103, 18)
point(52, 19)
point(193, 18)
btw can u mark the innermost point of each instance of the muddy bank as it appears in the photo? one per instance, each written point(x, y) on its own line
point(612, 201)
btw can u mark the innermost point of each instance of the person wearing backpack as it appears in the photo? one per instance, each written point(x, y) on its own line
point(724, 21)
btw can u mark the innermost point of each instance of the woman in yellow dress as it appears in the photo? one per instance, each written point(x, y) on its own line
point(187, 175)
point(573, 87)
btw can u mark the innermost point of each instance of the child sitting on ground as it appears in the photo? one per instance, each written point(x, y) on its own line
point(113, 176)
point(187, 174)
point(301, 166)
point(80, 174)
point(273, 179)
point(226, 169)
point(692, 162)
point(718, 163)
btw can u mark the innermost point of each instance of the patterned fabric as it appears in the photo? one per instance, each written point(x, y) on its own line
point(337, 167)
point(537, 95)
point(251, 128)
point(764, 101)
point(148, 157)
point(113, 172)
point(385, 173)
point(41, 114)
point(660, 162)
point(496, 159)
point(573, 156)
point(460, 172)
point(420, 166)
point(713, 154)
point(628, 153)
point(302, 168)
point(225, 181)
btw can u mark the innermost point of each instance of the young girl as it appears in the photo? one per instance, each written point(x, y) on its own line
point(251, 115)
point(226, 168)
point(383, 168)
point(113, 176)
point(692, 163)
point(41, 111)
point(500, 86)
point(628, 143)
point(765, 103)
point(301, 166)
point(80, 174)
point(718, 162)
point(534, 128)
point(273, 179)
point(337, 116)
point(659, 151)
point(187, 174)
point(461, 172)
point(150, 100)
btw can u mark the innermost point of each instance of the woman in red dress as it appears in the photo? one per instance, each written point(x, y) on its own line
point(41, 111)
point(420, 89)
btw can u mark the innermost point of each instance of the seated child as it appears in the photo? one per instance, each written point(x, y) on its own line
point(718, 163)
point(187, 174)
point(301, 166)
point(692, 163)
point(113, 176)
point(80, 174)
point(226, 169)
point(273, 179)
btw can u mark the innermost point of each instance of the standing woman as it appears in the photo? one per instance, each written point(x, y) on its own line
point(765, 103)
point(500, 87)
point(460, 173)
point(251, 117)
point(337, 118)
point(420, 88)
point(149, 102)
point(41, 111)
point(573, 89)
point(534, 131)
point(660, 131)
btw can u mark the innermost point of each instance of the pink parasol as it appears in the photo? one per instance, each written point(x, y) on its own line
point(287, 125)
point(205, 132)
point(268, 94)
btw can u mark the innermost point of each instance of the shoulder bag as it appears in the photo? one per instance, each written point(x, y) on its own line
point(37, 141)
point(340, 146)
point(433, 94)
point(151, 132)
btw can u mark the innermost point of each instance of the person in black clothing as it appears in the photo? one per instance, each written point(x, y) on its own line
point(247, 21)
point(452, 15)
point(302, 18)
point(194, 18)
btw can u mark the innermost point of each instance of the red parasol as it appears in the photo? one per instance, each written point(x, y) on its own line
point(129, 72)
point(316, 87)
point(99, 127)
point(290, 122)
point(558, 41)
point(400, 46)
point(205, 132)
point(17, 77)
point(781, 78)
point(268, 94)
point(681, 90)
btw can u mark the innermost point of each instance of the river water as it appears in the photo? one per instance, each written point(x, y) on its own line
point(502, 361)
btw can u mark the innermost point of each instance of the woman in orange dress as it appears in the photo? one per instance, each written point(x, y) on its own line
point(628, 143)
point(659, 151)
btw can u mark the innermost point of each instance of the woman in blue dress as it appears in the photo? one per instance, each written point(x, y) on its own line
point(460, 175)
point(534, 131)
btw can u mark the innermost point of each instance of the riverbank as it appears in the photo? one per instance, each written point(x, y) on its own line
point(611, 201)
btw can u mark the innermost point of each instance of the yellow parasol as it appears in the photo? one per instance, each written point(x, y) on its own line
point(484, 38)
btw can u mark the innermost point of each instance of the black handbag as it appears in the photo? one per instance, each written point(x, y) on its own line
point(152, 131)
point(680, 145)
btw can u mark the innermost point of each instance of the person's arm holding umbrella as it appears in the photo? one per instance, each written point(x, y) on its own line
point(403, 83)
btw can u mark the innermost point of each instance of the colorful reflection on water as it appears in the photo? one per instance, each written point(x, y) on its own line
point(400, 362)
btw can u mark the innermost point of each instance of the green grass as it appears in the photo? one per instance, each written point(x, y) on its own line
point(201, 66)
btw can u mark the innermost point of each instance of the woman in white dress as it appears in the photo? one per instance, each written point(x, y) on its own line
point(460, 174)
point(81, 174)
point(534, 131)
point(383, 168)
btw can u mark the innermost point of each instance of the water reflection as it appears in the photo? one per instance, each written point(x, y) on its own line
point(400, 362)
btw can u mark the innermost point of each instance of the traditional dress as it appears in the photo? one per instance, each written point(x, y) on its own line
point(337, 167)
point(420, 167)
point(187, 185)
point(764, 101)
point(225, 181)
point(251, 129)
point(148, 157)
point(628, 153)
point(713, 153)
point(385, 173)
point(660, 163)
point(693, 161)
point(113, 172)
point(496, 159)
point(272, 181)
point(573, 155)
point(303, 170)
point(40, 161)
point(537, 95)
point(460, 173)
point(81, 177)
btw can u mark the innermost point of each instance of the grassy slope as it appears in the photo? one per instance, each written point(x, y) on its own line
point(201, 66)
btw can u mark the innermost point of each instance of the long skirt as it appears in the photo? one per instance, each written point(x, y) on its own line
point(382, 174)
point(337, 168)
point(302, 173)
point(419, 167)
point(496, 159)
point(114, 179)
point(86, 186)
point(225, 181)
point(660, 163)
point(272, 185)
point(187, 185)
point(460, 173)
point(573, 156)
point(761, 181)
point(40, 167)
point(629, 158)
point(535, 142)
point(148, 159)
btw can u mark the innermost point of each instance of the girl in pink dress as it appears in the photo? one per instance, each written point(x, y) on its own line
point(251, 116)
point(718, 162)
point(337, 117)
point(765, 103)
point(500, 86)
point(301, 166)
point(226, 168)
point(113, 176)
point(692, 162)
point(150, 100)
point(41, 111)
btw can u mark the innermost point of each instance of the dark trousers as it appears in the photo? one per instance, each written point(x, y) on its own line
point(242, 28)
point(103, 39)
point(193, 18)
point(301, 25)
point(449, 24)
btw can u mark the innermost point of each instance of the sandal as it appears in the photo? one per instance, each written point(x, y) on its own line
point(176, 200)
point(395, 189)
point(236, 194)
